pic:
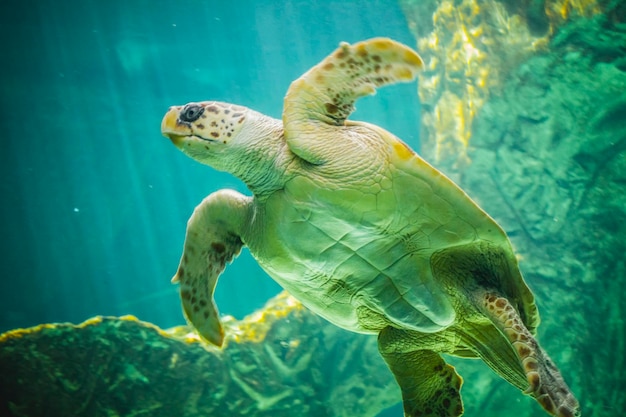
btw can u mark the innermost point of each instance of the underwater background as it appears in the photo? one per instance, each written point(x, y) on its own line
point(95, 199)
point(522, 103)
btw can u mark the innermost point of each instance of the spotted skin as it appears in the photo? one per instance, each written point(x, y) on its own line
point(326, 93)
point(210, 121)
point(211, 242)
point(353, 223)
point(430, 387)
point(545, 382)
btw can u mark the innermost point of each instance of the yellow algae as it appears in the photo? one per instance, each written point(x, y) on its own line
point(18, 333)
point(94, 321)
point(252, 328)
point(469, 47)
point(560, 11)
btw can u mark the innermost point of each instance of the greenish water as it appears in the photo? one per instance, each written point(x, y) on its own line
point(95, 200)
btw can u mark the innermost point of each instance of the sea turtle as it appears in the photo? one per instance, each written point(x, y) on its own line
point(364, 232)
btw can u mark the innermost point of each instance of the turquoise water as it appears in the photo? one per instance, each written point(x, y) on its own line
point(95, 200)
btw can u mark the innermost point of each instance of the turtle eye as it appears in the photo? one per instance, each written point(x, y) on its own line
point(191, 113)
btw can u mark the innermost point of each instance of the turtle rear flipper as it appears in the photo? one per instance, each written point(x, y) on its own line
point(430, 387)
point(545, 382)
point(502, 331)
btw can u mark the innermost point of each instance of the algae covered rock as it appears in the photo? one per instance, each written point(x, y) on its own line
point(544, 152)
point(281, 361)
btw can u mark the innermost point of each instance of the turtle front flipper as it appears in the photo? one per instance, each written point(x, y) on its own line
point(324, 96)
point(430, 387)
point(545, 382)
point(213, 239)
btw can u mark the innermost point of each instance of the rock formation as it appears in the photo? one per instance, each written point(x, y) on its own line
point(280, 361)
point(525, 107)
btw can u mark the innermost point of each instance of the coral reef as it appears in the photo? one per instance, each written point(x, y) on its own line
point(281, 361)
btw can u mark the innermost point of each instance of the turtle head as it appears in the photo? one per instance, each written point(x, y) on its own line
point(199, 129)
point(228, 138)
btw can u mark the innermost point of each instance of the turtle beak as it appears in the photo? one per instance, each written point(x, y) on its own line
point(172, 128)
